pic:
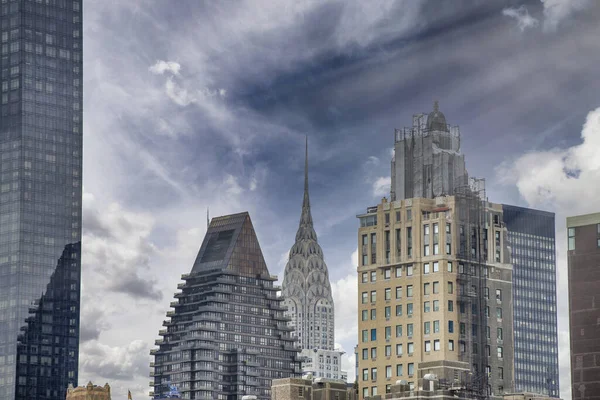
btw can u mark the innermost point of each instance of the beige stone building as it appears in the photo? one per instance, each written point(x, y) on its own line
point(434, 295)
point(309, 389)
point(89, 392)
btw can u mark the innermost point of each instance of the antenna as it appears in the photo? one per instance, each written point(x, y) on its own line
point(207, 217)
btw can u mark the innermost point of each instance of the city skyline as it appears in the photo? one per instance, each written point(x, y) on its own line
point(187, 107)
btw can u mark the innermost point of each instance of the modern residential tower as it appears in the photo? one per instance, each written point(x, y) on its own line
point(583, 234)
point(227, 336)
point(307, 293)
point(40, 197)
point(532, 245)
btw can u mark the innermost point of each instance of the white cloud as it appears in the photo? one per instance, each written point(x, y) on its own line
point(521, 15)
point(556, 11)
point(563, 181)
point(381, 186)
point(160, 67)
point(178, 94)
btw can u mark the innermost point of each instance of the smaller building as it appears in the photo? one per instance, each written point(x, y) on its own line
point(89, 392)
point(309, 389)
point(322, 363)
point(527, 396)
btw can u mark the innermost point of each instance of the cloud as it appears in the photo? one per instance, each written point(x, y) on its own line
point(115, 363)
point(521, 15)
point(93, 322)
point(563, 179)
point(381, 186)
point(178, 94)
point(556, 11)
point(160, 67)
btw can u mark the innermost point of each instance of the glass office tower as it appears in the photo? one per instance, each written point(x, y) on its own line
point(531, 236)
point(40, 196)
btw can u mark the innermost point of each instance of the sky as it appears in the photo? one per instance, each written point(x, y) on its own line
point(194, 105)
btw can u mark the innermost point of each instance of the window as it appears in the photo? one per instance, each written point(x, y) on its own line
point(436, 266)
point(436, 345)
point(500, 352)
point(436, 326)
point(398, 369)
point(411, 348)
point(399, 310)
point(387, 273)
point(436, 287)
point(388, 351)
point(463, 328)
point(300, 391)
point(408, 214)
point(436, 240)
point(571, 238)
point(409, 291)
point(388, 371)
point(388, 332)
point(451, 326)
point(426, 288)
point(398, 272)
point(486, 292)
point(450, 287)
point(373, 296)
point(365, 374)
point(427, 346)
point(499, 333)
point(487, 311)
point(409, 330)
point(427, 328)
point(365, 335)
point(409, 309)
point(365, 315)
point(398, 349)
point(425, 240)
point(411, 368)
point(451, 345)
point(365, 242)
point(373, 335)
point(398, 330)
point(450, 305)
point(366, 389)
point(409, 270)
point(365, 354)
point(387, 218)
point(449, 266)
point(374, 353)
point(487, 332)
point(365, 277)
point(500, 373)
point(409, 242)
point(488, 352)
point(426, 307)
point(365, 297)
point(398, 292)
point(388, 312)
point(448, 239)
point(426, 268)
point(436, 305)
point(474, 329)
point(397, 216)
point(388, 293)
point(498, 312)
point(373, 276)
point(373, 248)
point(373, 313)
point(499, 294)
point(373, 374)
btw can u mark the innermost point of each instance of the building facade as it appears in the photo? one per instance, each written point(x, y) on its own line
point(583, 234)
point(89, 392)
point(40, 197)
point(307, 296)
point(532, 243)
point(427, 160)
point(227, 336)
point(309, 389)
point(434, 295)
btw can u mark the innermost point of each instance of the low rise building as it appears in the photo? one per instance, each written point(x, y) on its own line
point(309, 389)
point(89, 392)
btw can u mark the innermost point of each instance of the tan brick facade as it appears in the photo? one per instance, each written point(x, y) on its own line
point(89, 392)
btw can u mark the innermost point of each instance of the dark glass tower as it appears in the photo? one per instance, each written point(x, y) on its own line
point(40, 197)
point(531, 236)
point(228, 336)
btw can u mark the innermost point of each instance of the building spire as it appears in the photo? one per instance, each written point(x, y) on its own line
point(436, 106)
point(306, 202)
point(306, 224)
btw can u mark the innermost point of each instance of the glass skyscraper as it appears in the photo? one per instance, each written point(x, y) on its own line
point(40, 197)
point(531, 236)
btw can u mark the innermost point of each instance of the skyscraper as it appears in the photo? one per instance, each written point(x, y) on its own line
point(435, 278)
point(228, 335)
point(532, 244)
point(583, 234)
point(307, 293)
point(40, 197)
